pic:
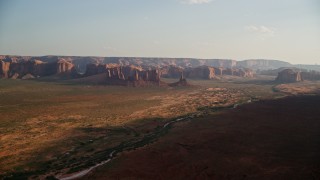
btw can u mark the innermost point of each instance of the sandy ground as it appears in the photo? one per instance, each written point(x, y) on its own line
point(275, 139)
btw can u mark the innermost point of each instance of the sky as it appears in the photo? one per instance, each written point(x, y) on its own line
point(287, 30)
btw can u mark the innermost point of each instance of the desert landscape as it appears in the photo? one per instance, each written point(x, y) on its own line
point(168, 90)
point(100, 123)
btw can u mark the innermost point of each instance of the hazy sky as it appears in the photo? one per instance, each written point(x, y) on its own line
point(236, 29)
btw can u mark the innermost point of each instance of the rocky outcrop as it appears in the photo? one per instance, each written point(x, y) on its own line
point(182, 82)
point(81, 62)
point(240, 72)
point(28, 76)
point(132, 76)
point(289, 76)
point(201, 72)
point(229, 71)
point(64, 67)
point(36, 68)
point(171, 71)
point(247, 73)
point(19, 69)
point(262, 64)
point(93, 69)
point(4, 69)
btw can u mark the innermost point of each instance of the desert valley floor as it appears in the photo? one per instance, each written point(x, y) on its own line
point(274, 139)
point(231, 128)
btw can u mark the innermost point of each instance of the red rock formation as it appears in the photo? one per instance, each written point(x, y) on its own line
point(182, 82)
point(64, 67)
point(201, 72)
point(289, 76)
point(171, 71)
point(19, 69)
point(130, 75)
point(4, 69)
point(243, 73)
point(229, 71)
point(93, 69)
point(218, 71)
point(36, 68)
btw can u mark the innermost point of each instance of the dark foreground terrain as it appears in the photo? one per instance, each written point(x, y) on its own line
point(273, 139)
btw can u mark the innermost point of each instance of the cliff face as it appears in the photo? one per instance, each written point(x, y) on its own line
point(226, 63)
point(4, 69)
point(240, 72)
point(182, 82)
point(93, 69)
point(202, 72)
point(64, 67)
point(81, 62)
point(262, 64)
point(289, 76)
point(171, 71)
point(311, 76)
point(218, 71)
point(205, 72)
point(36, 68)
point(229, 71)
point(132, 76)
point(244, 73)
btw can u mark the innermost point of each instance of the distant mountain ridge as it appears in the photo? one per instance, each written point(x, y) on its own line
point(81, 62)
point(263, 64)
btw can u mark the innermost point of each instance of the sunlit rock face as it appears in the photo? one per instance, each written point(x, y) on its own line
point(4, 69)
point(64, 66)
point(132, 76)
point(289, 76)
point(131, 69)
point(36, 68)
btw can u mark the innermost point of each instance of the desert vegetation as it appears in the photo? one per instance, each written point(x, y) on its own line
point(50, 128)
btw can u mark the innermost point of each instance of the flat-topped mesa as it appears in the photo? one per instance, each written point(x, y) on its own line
point(201, 72)
point(94, 68)
point(289, 76)
point(20, 69)
point(205, 72)
point(36, 68)
point(132, 76)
